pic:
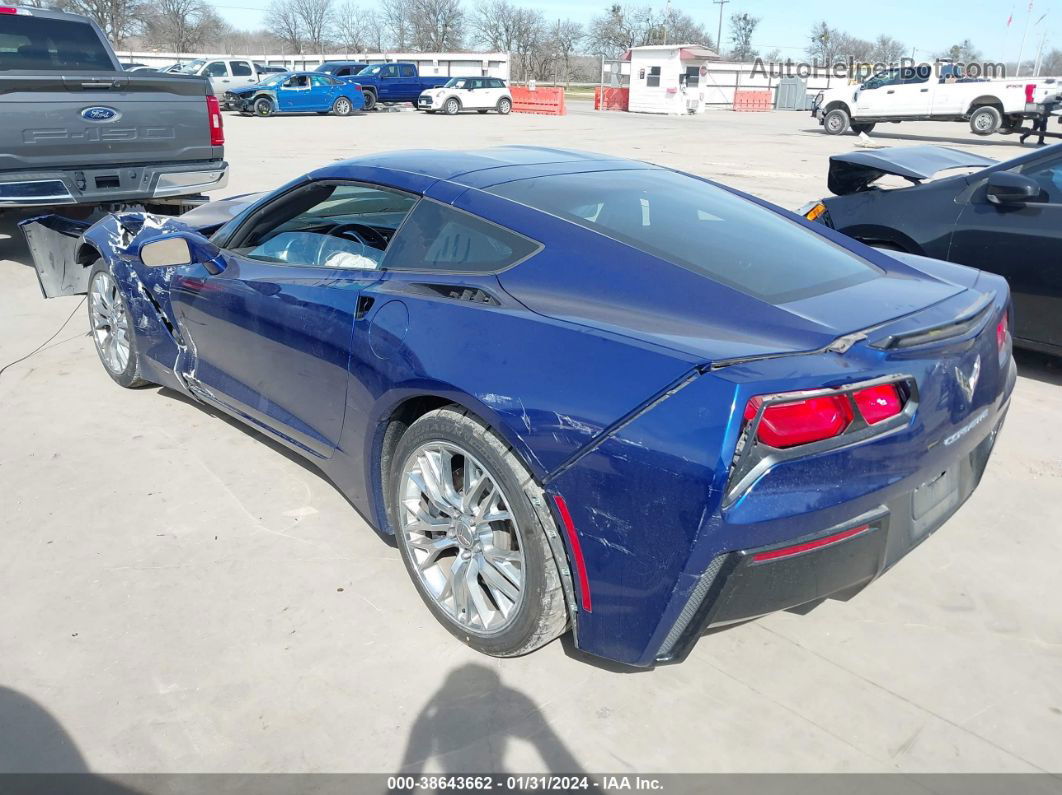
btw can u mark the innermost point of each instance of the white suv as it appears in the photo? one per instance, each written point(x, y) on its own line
point(467, 93)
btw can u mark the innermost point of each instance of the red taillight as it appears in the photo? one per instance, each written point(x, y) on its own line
point(1002, 329)
point(8, 10)
point(217, 131)
point(800, 421)
point(877, 403)
point(807, 546)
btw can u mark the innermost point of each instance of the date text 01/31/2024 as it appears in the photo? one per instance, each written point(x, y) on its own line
point(522, 783)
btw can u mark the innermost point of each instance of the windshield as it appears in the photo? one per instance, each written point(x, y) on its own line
point(272, 80)
point(190, 68)
point(456, 82)
point(700, 227)
point(50, 45)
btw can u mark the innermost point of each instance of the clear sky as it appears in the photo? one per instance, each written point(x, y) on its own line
point(927, 26)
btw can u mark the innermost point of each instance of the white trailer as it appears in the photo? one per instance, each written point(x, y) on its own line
point(668, 78)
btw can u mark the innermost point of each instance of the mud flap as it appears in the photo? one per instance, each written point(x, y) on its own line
point(53, 242)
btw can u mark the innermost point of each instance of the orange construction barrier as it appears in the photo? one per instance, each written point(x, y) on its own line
point(752, 100)
point(611, 98)
point(545, 101)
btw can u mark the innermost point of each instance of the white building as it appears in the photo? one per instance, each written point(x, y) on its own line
point(669, 78)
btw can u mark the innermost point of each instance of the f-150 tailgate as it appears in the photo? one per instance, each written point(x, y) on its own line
point(52, 121)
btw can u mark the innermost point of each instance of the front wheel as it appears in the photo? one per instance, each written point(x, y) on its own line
point(111, 328)
point(263, 107)
point(370, 100)
point(985, 120)
point(342, 107)
point(836, 121)
point(462, 506)
point(452, 107)
point(504, 105)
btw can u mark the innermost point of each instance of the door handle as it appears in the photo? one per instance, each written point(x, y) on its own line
point(923, 90)
point(890, 91)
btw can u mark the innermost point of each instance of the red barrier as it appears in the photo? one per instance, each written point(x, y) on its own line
point(611, 98)
point(752, 100)
point(544, 101)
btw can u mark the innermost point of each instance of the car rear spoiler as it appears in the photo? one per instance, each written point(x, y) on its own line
point(855, 171)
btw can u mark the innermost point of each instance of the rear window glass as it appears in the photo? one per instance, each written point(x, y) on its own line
point(50, 45)
point(697, 226)
point(440, 238)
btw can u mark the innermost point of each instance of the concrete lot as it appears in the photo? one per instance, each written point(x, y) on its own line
point(179, 594)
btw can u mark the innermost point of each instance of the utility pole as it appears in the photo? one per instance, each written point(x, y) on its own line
point(719, 30)
point(1024, 33)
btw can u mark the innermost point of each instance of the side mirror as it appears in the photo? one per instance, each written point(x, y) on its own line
point(1007, 188)
point(182, 248)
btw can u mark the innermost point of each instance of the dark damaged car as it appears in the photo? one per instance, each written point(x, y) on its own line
point(567, 383)
point(1005, 218)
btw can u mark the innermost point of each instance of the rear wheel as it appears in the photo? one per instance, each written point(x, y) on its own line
point(985, 120)
point(112, 329)
point(461, 505)
point(263, 106)
point(836, 121)
point(342, 107)
point(452, 106)
point(504, 105)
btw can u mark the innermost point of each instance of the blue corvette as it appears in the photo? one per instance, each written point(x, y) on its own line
point(297, 92)
point(581, 392)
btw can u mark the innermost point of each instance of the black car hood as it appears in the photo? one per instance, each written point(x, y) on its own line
point(853, 172)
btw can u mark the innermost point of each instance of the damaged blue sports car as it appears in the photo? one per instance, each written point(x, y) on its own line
point(581, 392)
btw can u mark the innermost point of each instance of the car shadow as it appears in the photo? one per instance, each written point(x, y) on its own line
point(468, 724)
point(12, 242)
point(1039, 366)
point(272, 444)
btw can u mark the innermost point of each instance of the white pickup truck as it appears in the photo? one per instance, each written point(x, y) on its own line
point(917, 93)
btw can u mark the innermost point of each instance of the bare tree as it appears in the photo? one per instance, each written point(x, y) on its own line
point(823, 47)
point(284, 22)
point(847, 46)
point(351, 26)
point(617, 30)
point(438, 25)
point(375, 31)
point(963, 52)
point(395, 16)
point(888, 50)
point(315, 17)
point(1052, 63)
point(181, 25)
point(119, 19)
point(742, 26)
point(678, 27)
point(564, 40)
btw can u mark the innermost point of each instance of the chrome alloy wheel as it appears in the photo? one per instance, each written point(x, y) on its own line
point(465, 543)
point(110, 323)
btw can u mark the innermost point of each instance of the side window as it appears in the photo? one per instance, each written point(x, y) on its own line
point(326, 225)
point(321, 80)
point(240, 68)
point(440, 238)
point(407, 70)
point(389, 71)
point(1048, 175)
point(496, 83)
point(918, 74)
point(299, 81)
point(342, 71)
point(652, 80)
point(693, 76)
point(217, 69)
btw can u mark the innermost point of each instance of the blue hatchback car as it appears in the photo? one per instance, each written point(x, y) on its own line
point(581, 392)
point(297, 92)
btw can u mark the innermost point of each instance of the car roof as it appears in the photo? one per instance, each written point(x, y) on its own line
point(481, 168)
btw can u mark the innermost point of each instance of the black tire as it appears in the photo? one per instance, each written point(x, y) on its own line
point(452, 106)
point(504, 106)
point(129, 377)
point(542, 614)
point(370, 99)
point(985, 120)
point(263, 106)
point(342, 106)
point(862, 128)
point(836, 121)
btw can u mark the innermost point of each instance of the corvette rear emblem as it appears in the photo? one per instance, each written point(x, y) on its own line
point(969, 383)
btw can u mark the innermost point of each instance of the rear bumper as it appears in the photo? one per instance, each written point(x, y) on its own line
point(105, 185)
point(833, 564)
